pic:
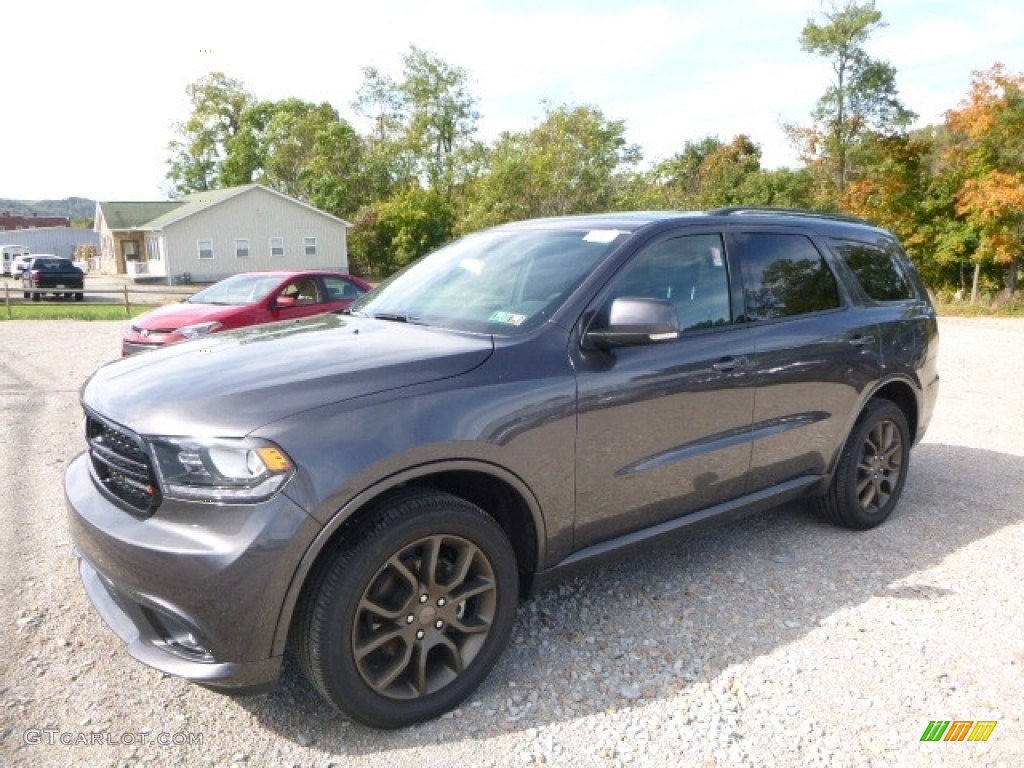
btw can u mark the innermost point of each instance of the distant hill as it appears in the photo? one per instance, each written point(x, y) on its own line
point(72, 207)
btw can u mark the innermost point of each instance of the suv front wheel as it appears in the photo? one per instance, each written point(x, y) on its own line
point(411, 612)
point(872, 469)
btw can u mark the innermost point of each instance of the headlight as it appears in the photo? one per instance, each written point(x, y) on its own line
point(199, 329)
point(220, 470)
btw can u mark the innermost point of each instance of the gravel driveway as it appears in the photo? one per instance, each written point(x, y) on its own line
point(777, 640)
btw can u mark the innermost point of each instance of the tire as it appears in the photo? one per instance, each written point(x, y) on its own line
point(872, 469)
point(36, 296)
point(25, 294)
point(410, 613)
point(79, 297)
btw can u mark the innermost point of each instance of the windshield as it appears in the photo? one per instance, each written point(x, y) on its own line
point(499, 282)
point(237, 290)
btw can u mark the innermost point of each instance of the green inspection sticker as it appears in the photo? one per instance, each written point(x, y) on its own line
point(508, 318)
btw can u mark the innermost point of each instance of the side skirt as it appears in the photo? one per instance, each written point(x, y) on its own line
point(622, 546)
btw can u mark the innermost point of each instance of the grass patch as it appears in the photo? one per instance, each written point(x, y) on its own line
point(71, 312)
point(964, 309)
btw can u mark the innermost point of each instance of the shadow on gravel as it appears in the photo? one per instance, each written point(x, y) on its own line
point(680, 614)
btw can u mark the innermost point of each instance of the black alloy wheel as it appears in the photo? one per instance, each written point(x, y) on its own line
point(872, 469)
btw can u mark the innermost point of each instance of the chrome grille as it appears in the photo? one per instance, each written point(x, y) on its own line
point(121, 464)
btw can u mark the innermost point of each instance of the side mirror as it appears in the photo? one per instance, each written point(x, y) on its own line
point(633, 321)
point(286, 302)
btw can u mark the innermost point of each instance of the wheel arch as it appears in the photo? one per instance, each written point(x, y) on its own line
point(496, 491)
point(903, 395)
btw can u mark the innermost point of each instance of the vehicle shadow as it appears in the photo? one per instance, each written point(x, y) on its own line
point(681, 613)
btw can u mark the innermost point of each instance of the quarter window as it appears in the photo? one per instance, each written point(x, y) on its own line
point(876, 270)
point(205, 248)
point(784, 275)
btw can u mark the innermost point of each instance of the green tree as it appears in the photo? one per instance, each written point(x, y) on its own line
point(710, 174)
point(302, 149)
point(861, 103)
point(335, 177)
point(199, 148)
point(388, 235)
point(423, 123)
point(574, 161)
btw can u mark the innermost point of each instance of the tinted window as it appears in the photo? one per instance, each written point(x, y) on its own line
point(340, 289)
point(784, 275)
point(876, 270)
point(690, 272)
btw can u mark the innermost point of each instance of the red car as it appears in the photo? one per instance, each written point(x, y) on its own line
point(245, 299)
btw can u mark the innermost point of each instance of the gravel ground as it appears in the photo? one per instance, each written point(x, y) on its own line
point(777, 640)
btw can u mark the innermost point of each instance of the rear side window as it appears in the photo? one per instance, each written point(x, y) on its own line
point(784, 275)
point(876, 269)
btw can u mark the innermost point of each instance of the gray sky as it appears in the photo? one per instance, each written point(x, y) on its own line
point(93, 89)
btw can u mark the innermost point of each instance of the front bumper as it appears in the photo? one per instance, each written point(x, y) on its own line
point(196, 590)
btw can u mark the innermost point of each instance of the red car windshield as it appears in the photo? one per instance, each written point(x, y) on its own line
point(237, 291)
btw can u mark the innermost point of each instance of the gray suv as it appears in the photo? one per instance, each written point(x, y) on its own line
point(375, 490)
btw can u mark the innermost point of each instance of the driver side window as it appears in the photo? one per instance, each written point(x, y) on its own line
point(690, 272)
point(303, 291)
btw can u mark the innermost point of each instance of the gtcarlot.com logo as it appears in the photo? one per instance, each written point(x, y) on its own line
point(958, 730)
point(54, 736)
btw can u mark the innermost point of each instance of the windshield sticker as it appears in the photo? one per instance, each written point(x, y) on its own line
point(602, 235)
point(507, 318)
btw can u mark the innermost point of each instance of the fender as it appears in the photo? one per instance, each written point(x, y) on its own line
point(376, 490)
point(898, 378)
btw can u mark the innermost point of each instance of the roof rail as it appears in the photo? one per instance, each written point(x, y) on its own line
point(756, 210)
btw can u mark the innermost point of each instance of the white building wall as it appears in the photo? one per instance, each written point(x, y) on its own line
point(57, 240)
point(256, 215)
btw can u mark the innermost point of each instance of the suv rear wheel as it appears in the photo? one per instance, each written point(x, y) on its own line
point(410, 614)
point(872, 469)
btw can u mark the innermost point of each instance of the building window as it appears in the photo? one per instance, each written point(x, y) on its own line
point(277, 246)
point(153, 249)
point(309, 246)
point(242, 248)
point(205, 249)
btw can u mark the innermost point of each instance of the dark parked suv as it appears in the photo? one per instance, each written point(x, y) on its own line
point(376, 489)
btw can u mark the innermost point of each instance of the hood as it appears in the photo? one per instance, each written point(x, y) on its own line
point(228, 384)
point(174, 316)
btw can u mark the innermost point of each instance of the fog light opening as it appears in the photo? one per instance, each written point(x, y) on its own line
point(180, 638)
